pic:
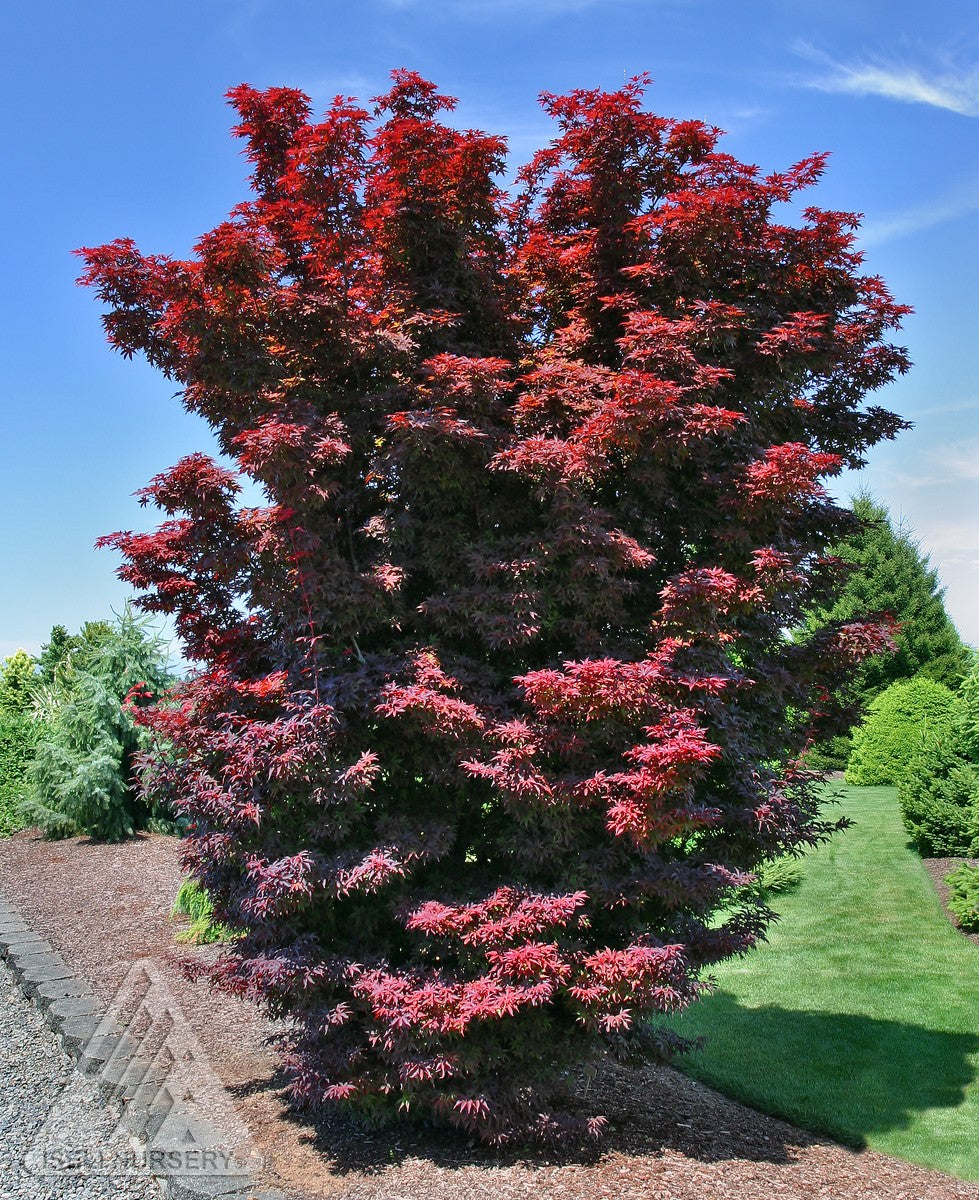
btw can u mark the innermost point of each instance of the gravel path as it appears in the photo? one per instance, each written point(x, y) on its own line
point(46, 1104)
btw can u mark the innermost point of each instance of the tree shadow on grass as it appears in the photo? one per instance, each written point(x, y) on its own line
point(846, 1075)
point(837, 1075)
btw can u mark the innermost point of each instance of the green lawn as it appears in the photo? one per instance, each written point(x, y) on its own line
point(860, 1016)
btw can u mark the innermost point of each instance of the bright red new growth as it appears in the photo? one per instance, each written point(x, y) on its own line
point(495, 712)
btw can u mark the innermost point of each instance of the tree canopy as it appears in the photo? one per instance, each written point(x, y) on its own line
point(495, 716)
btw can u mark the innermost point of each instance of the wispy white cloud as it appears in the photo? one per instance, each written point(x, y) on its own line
point(956, 463)
point(950, 540)
point(489, 8)
point(732, 119)
point(949, 472)
point(955, 406)
point(950, 87)
point(924, 215)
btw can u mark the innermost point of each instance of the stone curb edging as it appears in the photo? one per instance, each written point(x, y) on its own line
point(73, 1012)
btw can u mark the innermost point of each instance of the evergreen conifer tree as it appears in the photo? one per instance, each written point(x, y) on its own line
point(891, 575)
point(64, 650)
point(969, 698)
point(18, 677)
point(81, 780)
point(53, 652)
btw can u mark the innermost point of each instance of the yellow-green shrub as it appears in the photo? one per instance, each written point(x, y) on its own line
point(898, 724)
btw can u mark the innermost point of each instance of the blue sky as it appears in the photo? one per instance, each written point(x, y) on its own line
point(115, 125)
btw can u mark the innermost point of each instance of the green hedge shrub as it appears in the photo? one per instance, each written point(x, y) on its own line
point(897, 725)
point(939, 794)
point(964, 899)
point(831, 755)
point(19, 735)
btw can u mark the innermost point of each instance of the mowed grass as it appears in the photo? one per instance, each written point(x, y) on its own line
point(859, 1017)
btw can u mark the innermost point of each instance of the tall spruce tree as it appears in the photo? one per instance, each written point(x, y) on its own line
point(891, 575)
point(53, 652)
point(65, 650)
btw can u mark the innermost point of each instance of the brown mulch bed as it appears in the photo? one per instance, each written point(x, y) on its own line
point(938, 868)
point(104, 906)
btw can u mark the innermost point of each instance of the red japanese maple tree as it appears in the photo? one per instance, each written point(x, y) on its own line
point(495, 713)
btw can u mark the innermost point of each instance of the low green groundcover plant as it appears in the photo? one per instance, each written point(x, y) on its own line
point(776, 876)
point(194, 902)
point(831, 754)
point(964, 898)
point(864, 994)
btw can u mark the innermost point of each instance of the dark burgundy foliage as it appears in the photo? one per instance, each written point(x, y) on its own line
point(495, 712)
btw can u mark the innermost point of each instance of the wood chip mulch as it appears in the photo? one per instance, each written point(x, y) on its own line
point(105, 906)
